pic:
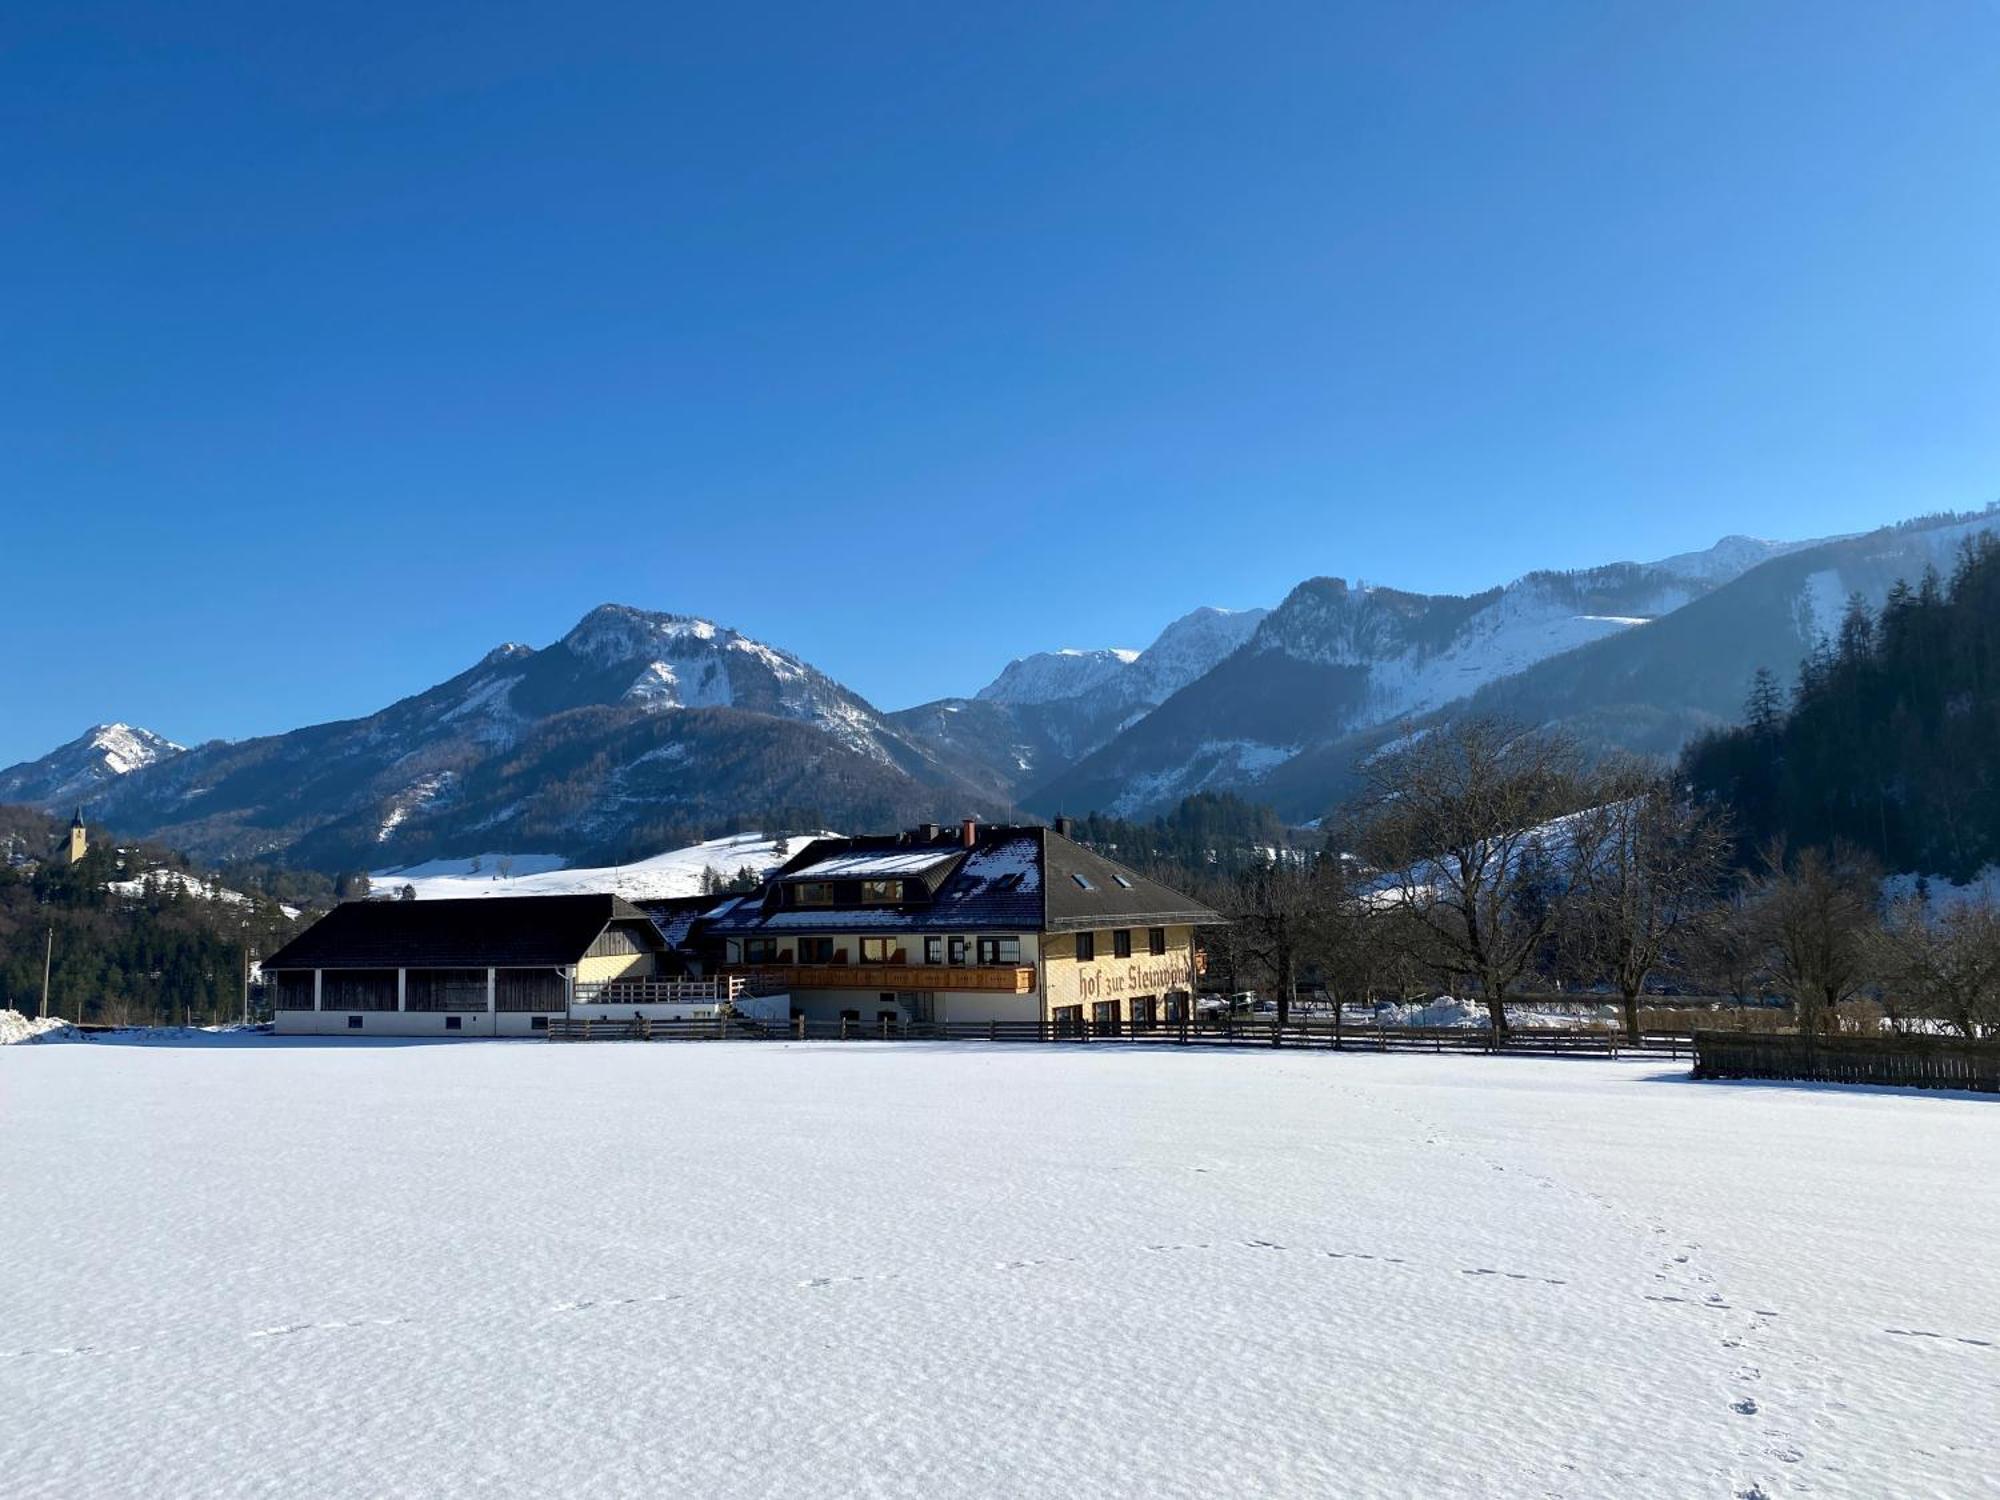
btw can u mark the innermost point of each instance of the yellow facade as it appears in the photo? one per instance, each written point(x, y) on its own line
point(1105, 979)
point(614, 966)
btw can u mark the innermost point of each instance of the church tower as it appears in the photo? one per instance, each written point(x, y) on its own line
point(79, 838)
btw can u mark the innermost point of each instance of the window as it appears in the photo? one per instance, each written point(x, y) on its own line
point(538, 1023)
point(454, 1023)
point(957, 950)
point(812, 893)
point(933, 950)
point(1086, 947)
point(1123, 881)
point(850, 1015)
point(1145, 1013)
point(1121, 943)
point(999, 950)
point(1156, 940)
point(816, 950)
point(922, 1005)
point(877, 892)
point(1068, 1020)
point(762, 950)
point(1104, 1017)
point(1082, 883)
point(354, 1022)
point(880, 950)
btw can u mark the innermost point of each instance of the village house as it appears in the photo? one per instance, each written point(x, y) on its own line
point(979, 923)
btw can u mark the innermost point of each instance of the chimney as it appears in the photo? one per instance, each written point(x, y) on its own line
point(1063, 826)
point(969, 832)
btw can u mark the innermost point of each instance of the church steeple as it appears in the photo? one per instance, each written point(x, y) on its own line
point(79, 838)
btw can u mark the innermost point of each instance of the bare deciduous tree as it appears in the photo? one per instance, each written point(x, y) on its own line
point(1942, 966)
point(1645, 867)
point(1814, 912)
point(1285, 917)
point(1459, 822)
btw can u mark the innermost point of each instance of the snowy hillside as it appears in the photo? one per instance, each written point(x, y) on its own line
point(75, 773)
point(678, 872)
point(161, 884)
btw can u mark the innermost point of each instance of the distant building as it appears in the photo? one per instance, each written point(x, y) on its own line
point(79, 840)
point(498, 966)
point(980, 923)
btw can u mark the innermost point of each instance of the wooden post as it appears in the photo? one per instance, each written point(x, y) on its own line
point(799, 1026)
point(48, 959)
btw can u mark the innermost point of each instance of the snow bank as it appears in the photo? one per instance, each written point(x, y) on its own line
point(1447, 1011)
point(15, 1027)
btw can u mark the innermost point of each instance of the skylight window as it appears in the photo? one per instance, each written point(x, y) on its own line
point(1123, 881)
point(1085, 884)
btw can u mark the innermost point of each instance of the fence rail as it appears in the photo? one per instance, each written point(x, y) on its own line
point(1906, 1061)
point(1320, 1035)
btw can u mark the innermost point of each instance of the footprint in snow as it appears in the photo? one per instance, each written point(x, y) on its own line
point(1744, 1408)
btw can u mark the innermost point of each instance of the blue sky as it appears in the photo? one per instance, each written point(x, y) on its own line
point(341, 343)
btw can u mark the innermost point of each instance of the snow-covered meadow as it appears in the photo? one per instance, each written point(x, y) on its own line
point(242, 1266)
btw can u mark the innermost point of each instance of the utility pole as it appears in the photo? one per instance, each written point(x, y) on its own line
point(48, 957)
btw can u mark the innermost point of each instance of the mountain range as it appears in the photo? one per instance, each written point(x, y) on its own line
point(639, 729)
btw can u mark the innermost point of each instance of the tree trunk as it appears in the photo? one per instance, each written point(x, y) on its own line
point(1631, 999)
point(1496, 1013)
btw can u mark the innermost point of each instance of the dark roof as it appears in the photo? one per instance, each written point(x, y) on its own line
point(1109, 894)
point(482, 932)
point(1015, 878)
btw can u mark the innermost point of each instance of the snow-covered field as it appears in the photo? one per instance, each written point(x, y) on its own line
point(678, 872)
point(247, 1267)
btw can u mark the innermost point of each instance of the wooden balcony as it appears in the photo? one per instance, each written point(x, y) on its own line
point(1006, 979)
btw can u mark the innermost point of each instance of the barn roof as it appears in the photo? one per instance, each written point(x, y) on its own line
point(480, 933)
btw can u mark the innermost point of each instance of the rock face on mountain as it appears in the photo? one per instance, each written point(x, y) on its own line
point(631, 729)
point(79, 771)
point(1044, 712)
point(1633, 656)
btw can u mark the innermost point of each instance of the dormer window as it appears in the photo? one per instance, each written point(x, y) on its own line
point(881, 892)
point(813, 893)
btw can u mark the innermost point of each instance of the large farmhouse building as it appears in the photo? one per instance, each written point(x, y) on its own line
point(978, 923)
point(975, 924)
point(480, 967)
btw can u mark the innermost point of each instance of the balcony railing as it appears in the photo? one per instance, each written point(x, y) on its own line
point(1006, 979)
point(704, 991)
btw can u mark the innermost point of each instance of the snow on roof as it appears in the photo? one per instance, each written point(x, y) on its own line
point(864, 864)
point(844, 918)
point(1015, 857)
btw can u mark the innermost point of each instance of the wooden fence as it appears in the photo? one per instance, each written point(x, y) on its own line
point(1922, 1062)
point(1218, 1032)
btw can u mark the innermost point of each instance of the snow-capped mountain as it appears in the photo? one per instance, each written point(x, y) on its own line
point(633, 730)
point(1636, 656)
point(1049, 675)
point(1179, 654)
point(76, 772)
point(1046, 711)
